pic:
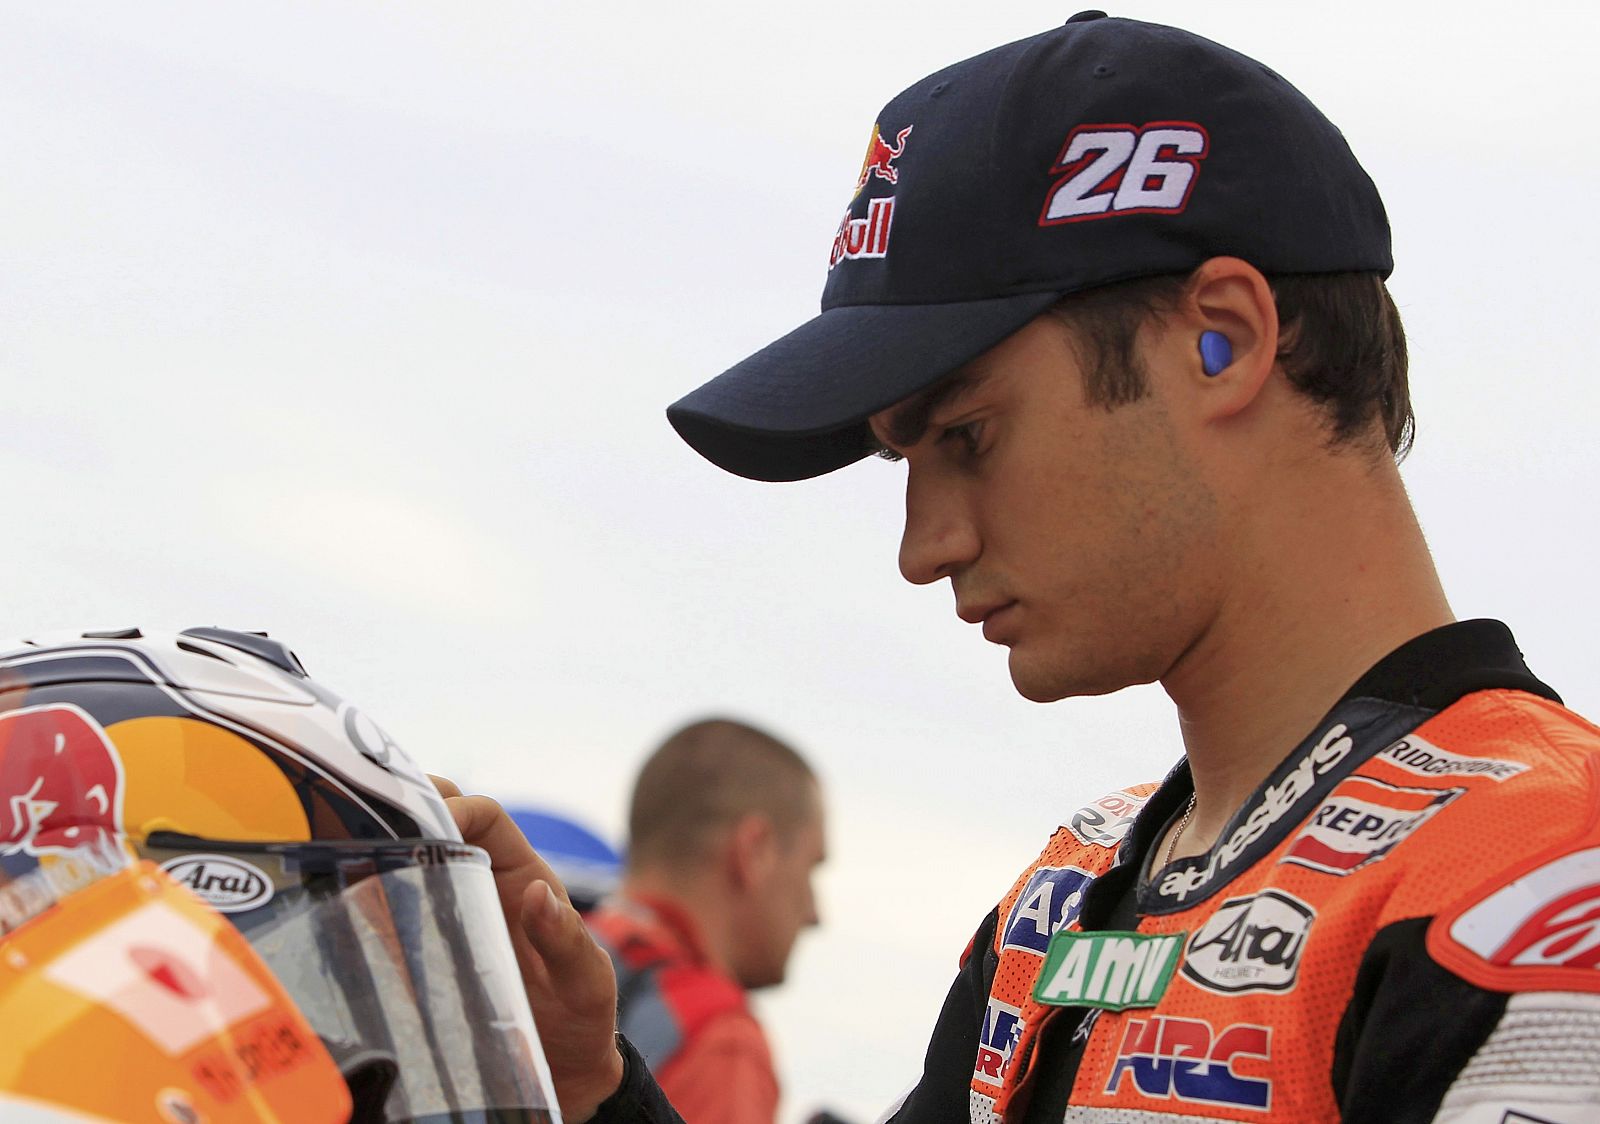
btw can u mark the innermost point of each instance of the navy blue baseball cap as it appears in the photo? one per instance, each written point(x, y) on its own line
point(1103, 150)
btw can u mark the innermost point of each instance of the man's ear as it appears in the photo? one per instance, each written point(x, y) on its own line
point(752, 850)
point(1230, 297)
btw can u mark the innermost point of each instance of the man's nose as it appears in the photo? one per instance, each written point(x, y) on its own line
point(940, 538)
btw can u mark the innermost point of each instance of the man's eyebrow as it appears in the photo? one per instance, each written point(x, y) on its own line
point(908, 422)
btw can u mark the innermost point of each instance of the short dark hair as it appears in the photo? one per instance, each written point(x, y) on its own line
point(1340, 342)
point(703, 778)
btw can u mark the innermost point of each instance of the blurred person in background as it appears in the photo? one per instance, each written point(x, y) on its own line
point(725, 829)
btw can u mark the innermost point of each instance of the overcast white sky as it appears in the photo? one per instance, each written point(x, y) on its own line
point(356, 323)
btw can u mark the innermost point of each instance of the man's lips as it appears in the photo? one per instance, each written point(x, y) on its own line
point(990, 614)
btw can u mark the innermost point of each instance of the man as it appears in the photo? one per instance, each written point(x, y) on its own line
point(1114, 295)
point(724, 831)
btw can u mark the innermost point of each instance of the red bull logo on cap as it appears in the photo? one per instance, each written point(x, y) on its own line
point(868, 236)
point(61, 782)
point(880, 158)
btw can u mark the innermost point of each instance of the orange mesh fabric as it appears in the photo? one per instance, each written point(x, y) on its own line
point(1427, 825)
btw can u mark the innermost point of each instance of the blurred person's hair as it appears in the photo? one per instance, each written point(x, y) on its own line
point(704, 778)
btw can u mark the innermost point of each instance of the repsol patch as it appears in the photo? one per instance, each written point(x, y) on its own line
point(1361, 821)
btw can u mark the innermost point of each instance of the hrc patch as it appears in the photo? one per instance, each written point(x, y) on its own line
point(1114, 971)
point(1187, 1060)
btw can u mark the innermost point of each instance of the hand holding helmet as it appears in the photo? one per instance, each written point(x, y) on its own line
point(570, 982)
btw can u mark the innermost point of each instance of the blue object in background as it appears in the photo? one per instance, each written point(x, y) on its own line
point(587, 865)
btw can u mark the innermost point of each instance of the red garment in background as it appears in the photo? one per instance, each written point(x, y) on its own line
point(685, 1015)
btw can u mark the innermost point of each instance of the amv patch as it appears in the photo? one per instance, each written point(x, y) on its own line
point(1113, 970)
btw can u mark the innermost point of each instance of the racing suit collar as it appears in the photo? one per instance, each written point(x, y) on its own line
point(1416, 680)
point(1437, 668)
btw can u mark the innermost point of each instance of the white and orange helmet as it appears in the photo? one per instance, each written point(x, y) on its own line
point(211, 754)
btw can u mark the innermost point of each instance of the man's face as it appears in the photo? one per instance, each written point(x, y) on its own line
point(783, 902)
point(1080, 538)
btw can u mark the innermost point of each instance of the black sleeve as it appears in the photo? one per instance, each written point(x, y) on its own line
point(1410, 1028)
point(940, 1097)
point(638, 1100)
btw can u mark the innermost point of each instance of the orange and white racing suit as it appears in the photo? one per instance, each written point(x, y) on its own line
point(1401, 924)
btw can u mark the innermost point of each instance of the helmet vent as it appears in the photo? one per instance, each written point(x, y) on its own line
point(257, 644)
point(184, 645)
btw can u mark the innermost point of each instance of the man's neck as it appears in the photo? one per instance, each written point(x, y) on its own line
point(702, 911)
point(1312, 608)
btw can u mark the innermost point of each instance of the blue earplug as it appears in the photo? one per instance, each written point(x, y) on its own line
point(1216, 353)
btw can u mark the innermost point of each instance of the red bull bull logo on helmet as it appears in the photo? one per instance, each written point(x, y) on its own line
point(61, 782)
point(868, 237)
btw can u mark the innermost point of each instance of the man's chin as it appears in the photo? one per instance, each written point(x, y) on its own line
point(1047, 685)
point(763, 980)
point(1032, 685)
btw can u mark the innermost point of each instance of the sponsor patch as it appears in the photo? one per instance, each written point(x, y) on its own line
point(1002, 1026)
point(1174, 1058)
point(225, 883)
point(1362, 728)
point(1105, 822)
point(880, 157)
point(1051, 900)
point(1110, 970)
point(1416, 755)
point(1540, 930)
point(1250, 944)
point(1271, 806)
point(864, 237)
point(1361, 821)
point(868, 236)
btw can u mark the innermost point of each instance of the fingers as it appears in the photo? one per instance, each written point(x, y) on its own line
point(569, 978)
point(564, 944)
point(582, 989)
point(484, 823)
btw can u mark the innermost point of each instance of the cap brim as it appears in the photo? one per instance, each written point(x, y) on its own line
point(798, 407)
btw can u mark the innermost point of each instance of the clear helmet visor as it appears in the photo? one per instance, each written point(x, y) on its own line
point(397, 953)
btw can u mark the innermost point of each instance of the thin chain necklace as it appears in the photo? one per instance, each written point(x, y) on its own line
point(1172, 840)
